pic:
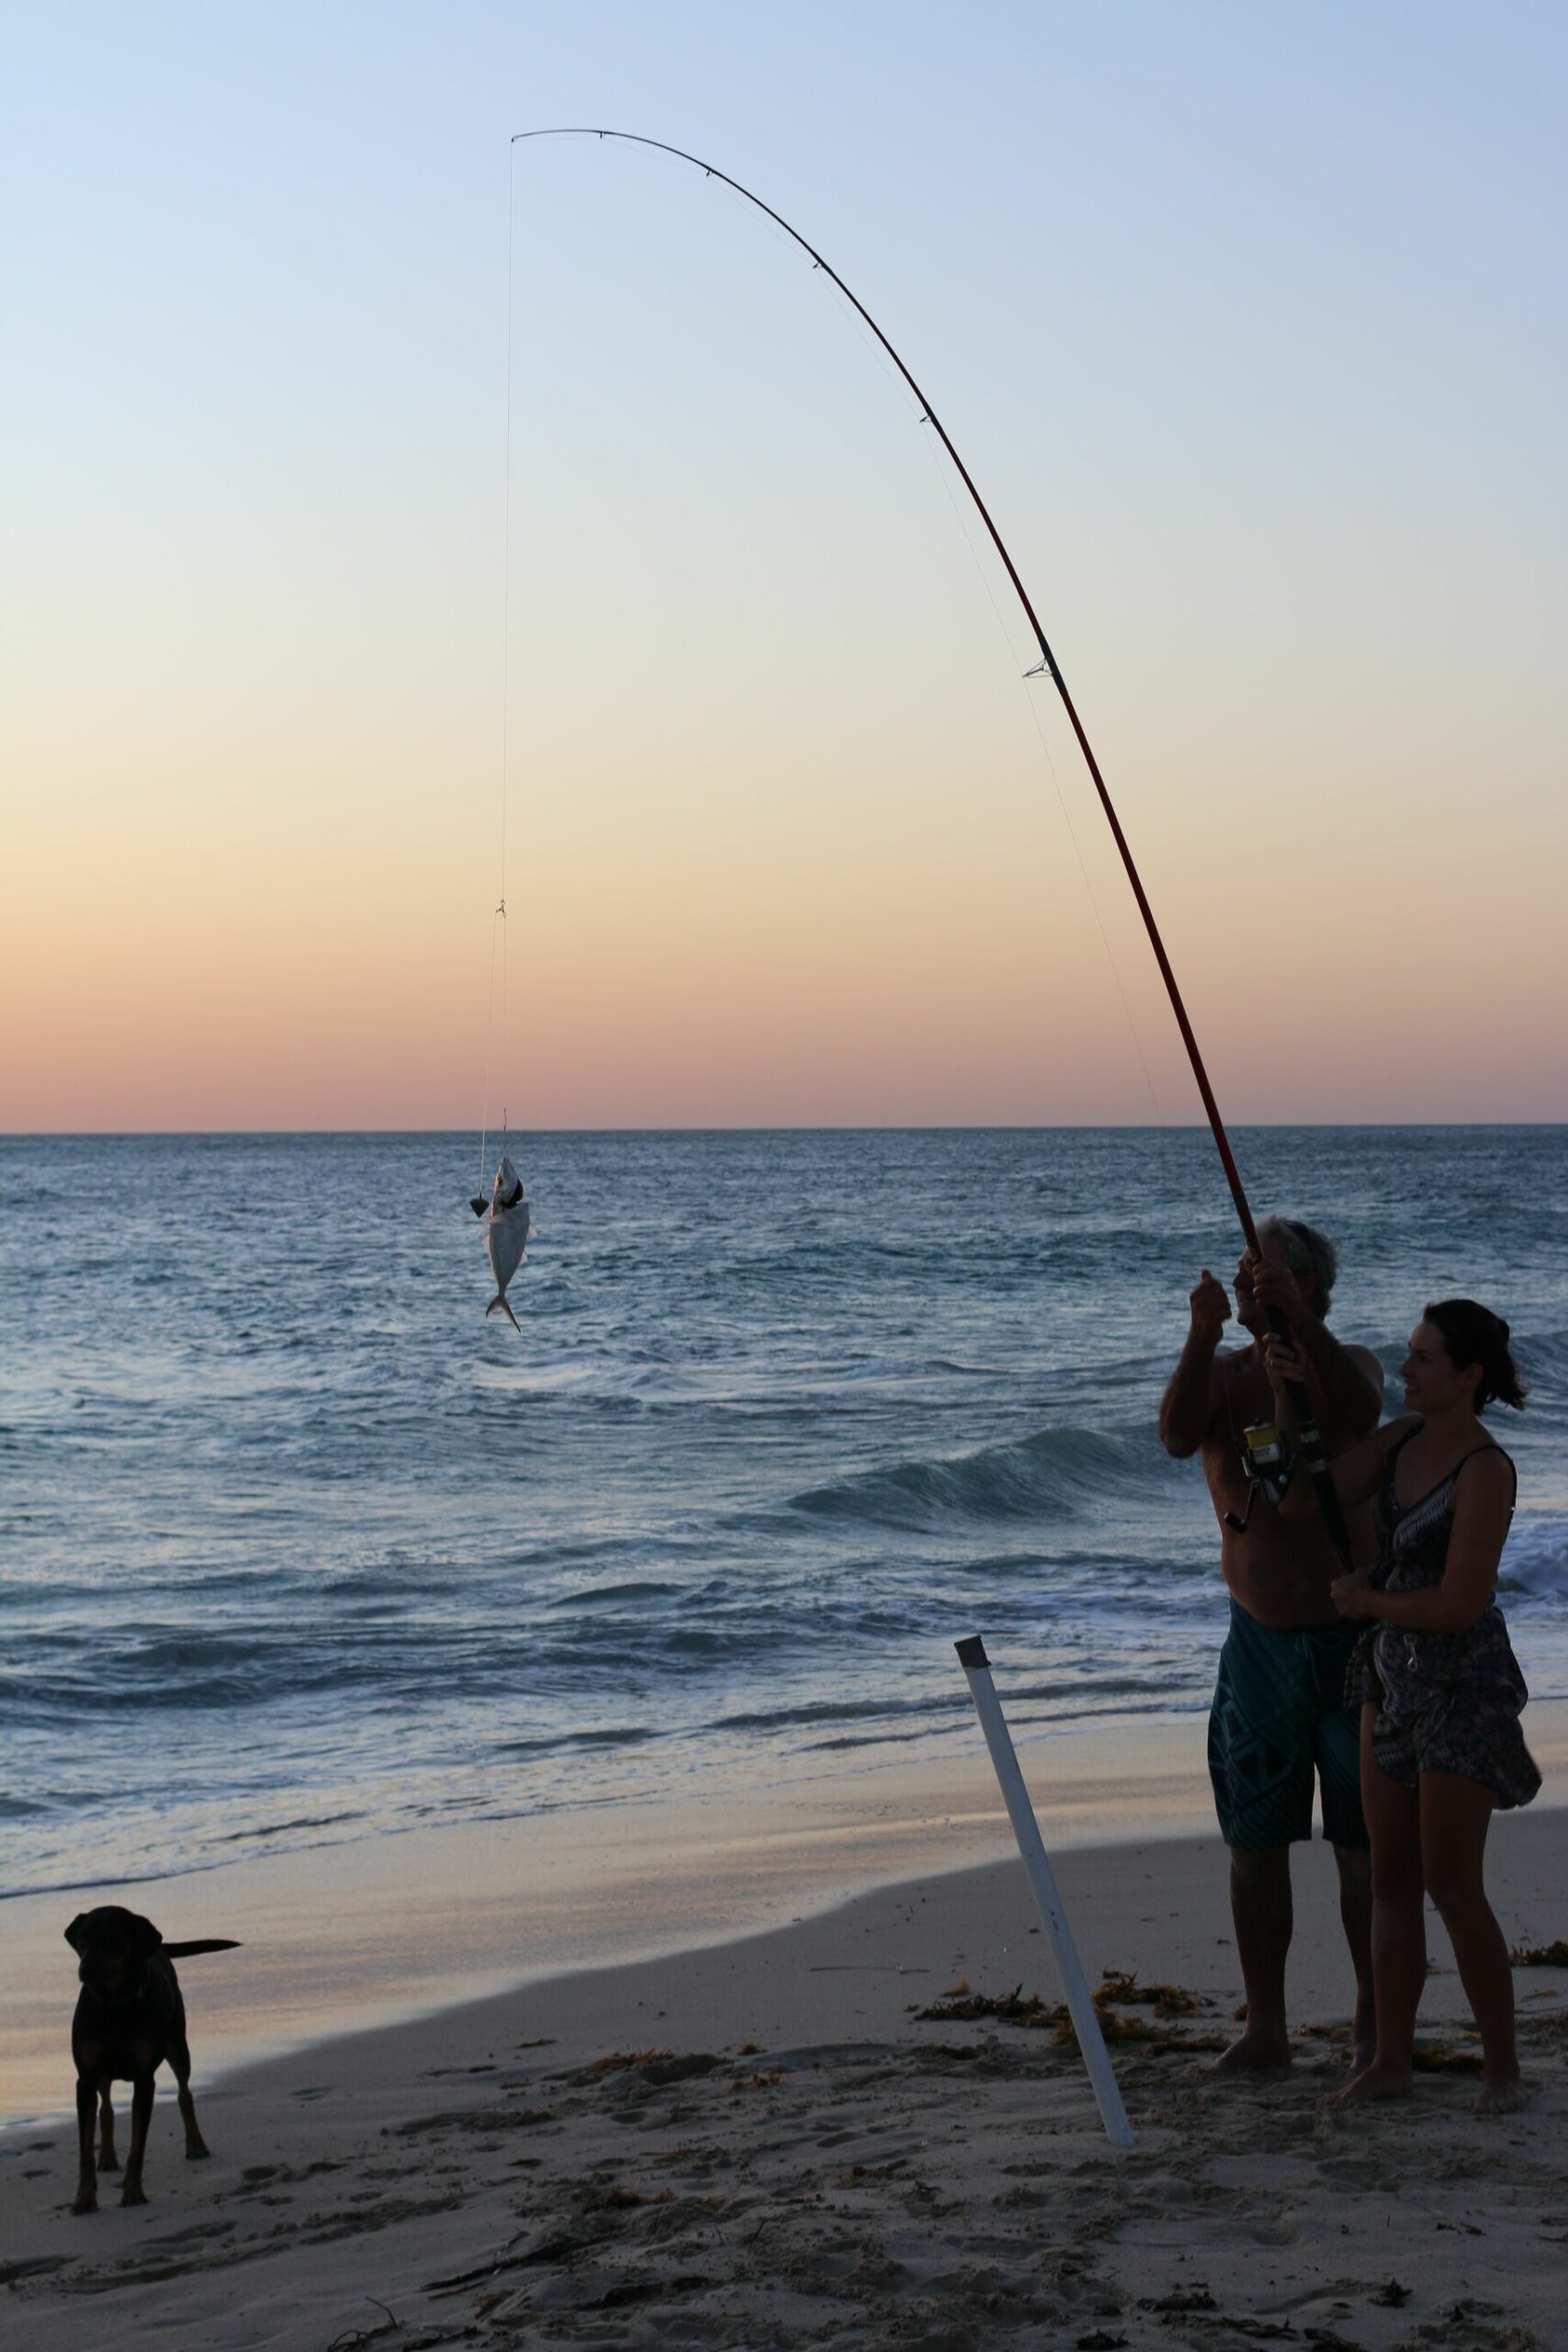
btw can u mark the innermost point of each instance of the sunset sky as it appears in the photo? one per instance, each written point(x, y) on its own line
point(1249, 324)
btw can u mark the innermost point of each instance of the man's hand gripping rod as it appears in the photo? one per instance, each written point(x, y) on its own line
point(1309, 1437)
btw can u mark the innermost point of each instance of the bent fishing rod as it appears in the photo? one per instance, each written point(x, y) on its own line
point(1309, 1437)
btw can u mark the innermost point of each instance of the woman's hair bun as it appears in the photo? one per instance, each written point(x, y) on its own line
point(1472, 1334)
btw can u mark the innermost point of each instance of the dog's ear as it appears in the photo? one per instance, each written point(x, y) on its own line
point(73, 1932)
point(146, 1939)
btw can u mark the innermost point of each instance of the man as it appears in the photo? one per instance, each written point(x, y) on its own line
point(1278, 1714)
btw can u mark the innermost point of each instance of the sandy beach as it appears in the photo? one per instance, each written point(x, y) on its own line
point(338, 1937)
point(768, 2141)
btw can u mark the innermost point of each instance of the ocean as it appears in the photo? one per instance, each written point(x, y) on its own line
point(298, 1548)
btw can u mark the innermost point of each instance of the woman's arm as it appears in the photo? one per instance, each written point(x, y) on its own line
point(1484, 1504)
point(1356, 1477)
point(1358, 1473)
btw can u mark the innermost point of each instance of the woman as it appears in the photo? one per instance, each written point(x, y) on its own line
point(1440, 1688)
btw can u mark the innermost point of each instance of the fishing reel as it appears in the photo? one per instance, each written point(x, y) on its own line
point(1270, 1460)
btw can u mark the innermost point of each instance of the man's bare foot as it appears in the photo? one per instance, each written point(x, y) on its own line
point(1364, 2040)
point(1377, 2082)
point(1504, 2096)
point(1260, 2050)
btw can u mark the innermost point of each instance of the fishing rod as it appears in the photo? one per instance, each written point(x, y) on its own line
point(1308, 1436)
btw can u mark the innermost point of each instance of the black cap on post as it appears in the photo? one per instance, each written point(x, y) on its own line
point(972, 1652)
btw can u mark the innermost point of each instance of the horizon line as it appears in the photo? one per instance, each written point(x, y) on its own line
point(796, 1127)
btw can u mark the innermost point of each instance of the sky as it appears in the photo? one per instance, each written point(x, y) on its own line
point(365, 476)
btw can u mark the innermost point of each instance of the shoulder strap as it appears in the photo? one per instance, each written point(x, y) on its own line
point(1487, 1445)
point(1397, 1448)
point(1388, 1498)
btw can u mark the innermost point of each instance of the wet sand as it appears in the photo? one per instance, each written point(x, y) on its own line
point(764, 2143)
point(339, 1937)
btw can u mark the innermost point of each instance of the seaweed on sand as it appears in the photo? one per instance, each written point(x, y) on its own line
point(1019, 2008)
point(1552, 1955)
point(1120, 1986)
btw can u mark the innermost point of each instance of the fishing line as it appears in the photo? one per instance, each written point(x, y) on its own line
point(501, 919)
point(1308, 1435)
point(498, 920)
point(506, 549)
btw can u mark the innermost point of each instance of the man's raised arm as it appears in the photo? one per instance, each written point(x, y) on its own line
point(1187, 1405)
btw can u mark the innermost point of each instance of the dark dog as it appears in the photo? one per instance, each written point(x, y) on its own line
point(130, 2018)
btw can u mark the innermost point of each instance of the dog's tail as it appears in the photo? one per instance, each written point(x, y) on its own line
point(202, 1943)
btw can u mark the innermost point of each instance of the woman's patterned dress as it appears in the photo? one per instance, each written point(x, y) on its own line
point(1447, 1702)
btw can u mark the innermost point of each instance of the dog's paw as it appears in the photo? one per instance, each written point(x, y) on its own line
point(133, 2193)
point(109, 2163)
point(87, 2201)
point(197, 2153)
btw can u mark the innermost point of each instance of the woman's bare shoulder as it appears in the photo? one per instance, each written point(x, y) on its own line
point(1489, 1469)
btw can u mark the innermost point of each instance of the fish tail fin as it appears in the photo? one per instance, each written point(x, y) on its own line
point(499, 1301)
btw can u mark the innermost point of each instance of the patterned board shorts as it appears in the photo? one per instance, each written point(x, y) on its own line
point(1280, 1722)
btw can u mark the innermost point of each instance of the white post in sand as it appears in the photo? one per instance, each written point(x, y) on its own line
point(1043, 1886)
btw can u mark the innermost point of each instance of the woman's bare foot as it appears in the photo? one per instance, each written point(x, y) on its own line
point(1504, 2094)
point(1260, 2050)
point(1377, 2080)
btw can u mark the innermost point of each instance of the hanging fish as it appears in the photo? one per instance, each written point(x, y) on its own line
point(507, 1224)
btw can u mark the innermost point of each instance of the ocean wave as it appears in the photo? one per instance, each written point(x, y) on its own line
point(1056, 1474)
point(619, 1735)
point(1535, 1560)
point(286, 1828)
point(843, 1711)
point(71, 1678)
point(1070, 1704)
point(597, 1595)
point(1542, 1357)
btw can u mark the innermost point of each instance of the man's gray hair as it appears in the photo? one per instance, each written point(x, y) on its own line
point(1307, 1251)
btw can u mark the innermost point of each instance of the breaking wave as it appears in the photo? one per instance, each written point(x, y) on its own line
point(1056, 1474)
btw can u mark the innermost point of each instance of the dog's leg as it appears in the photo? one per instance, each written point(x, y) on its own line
point(87, 2178)
point(140, 2117)
point(179, 2062)
point(108, 2160)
